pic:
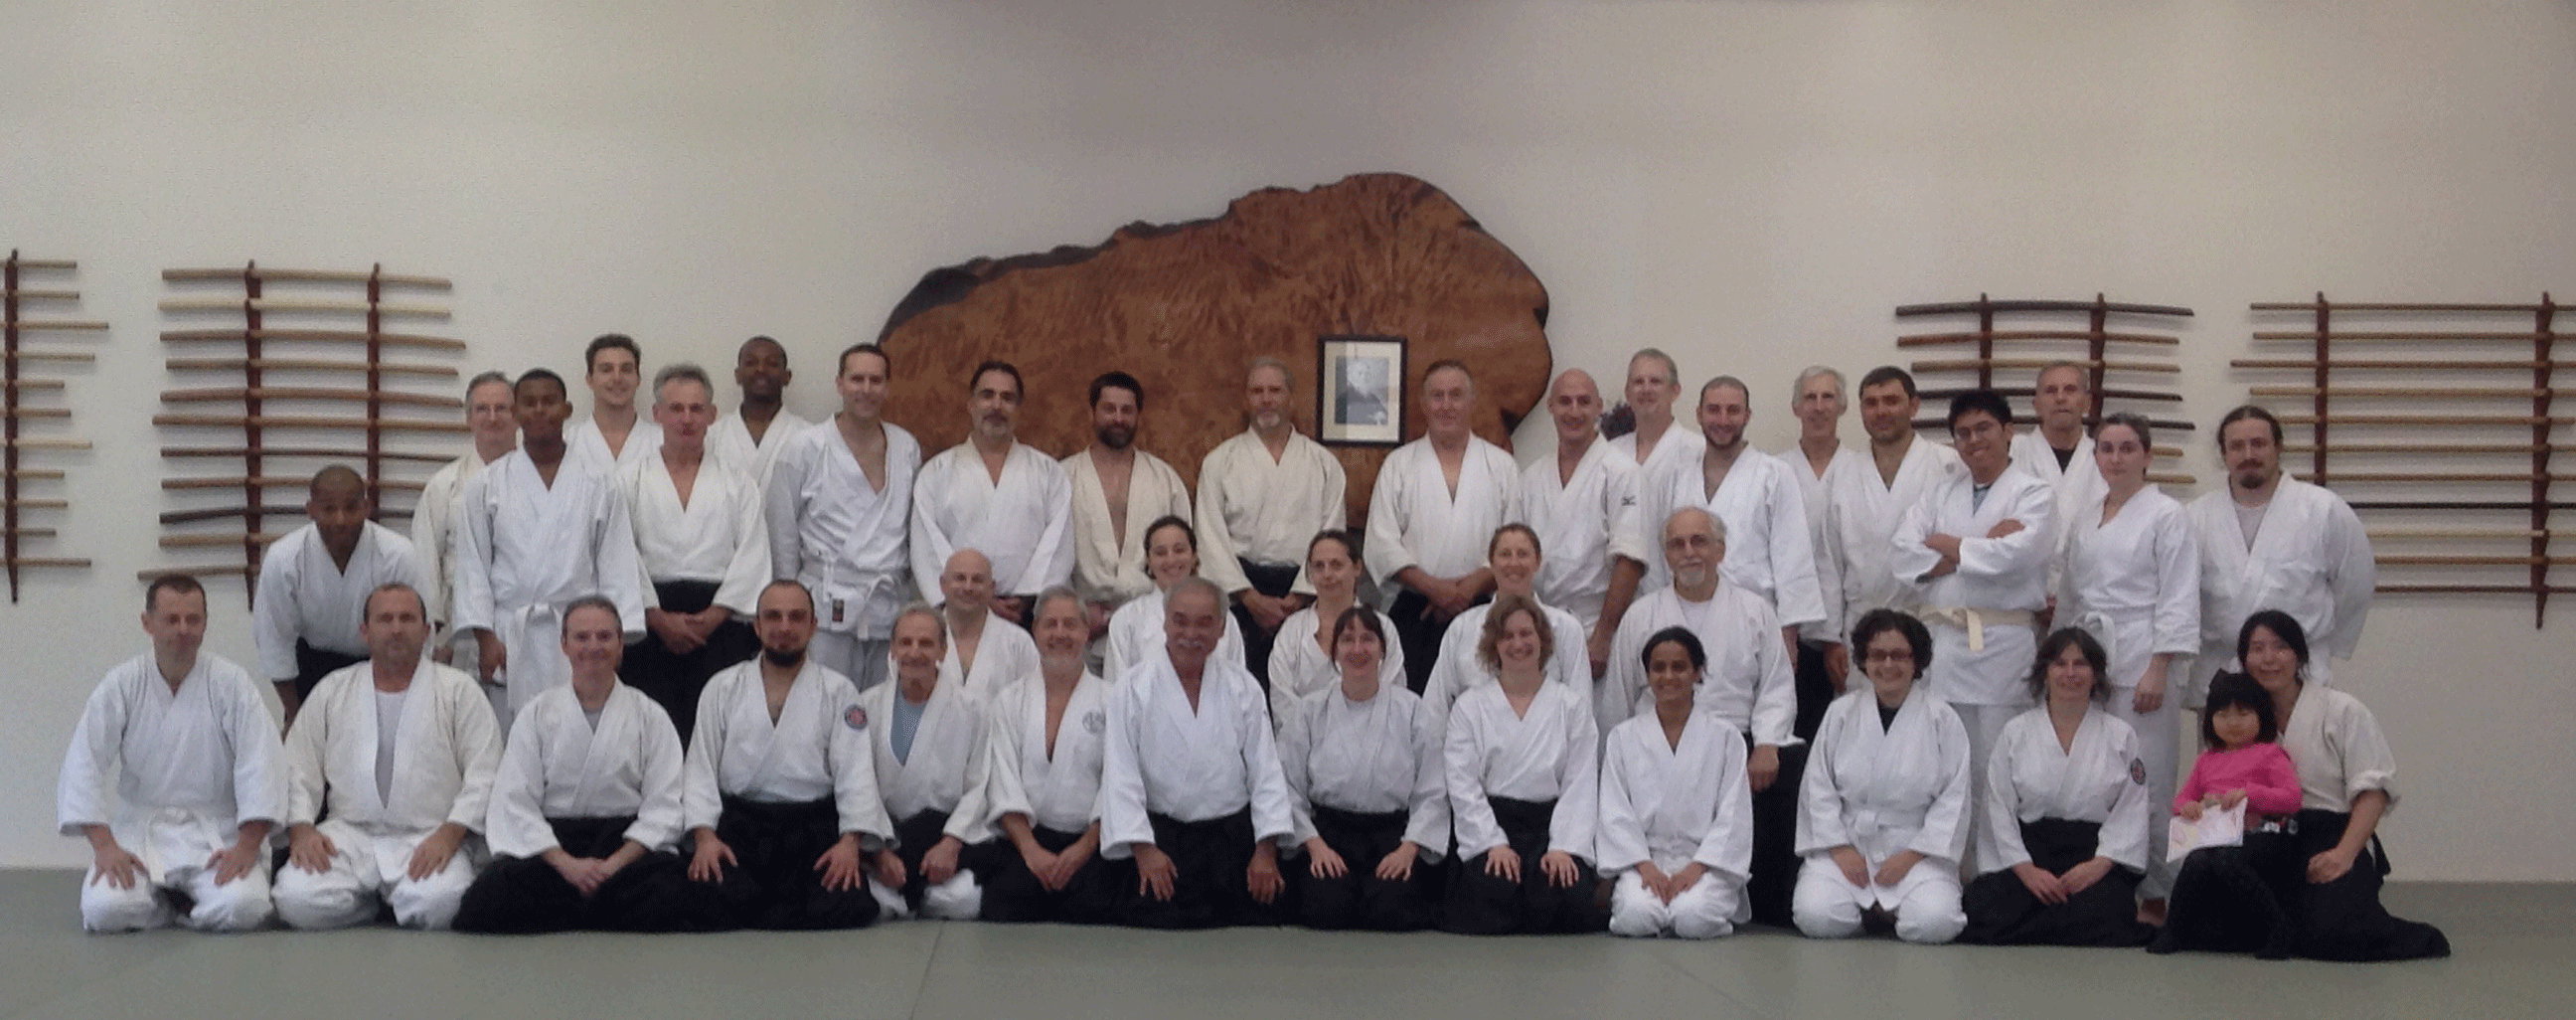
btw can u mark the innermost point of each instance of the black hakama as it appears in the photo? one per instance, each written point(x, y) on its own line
point(1211, 861)
point(774, 883)
point(2343, 920)
point(1775, 863)
point(1276, 581)
point(2002, 911)
point(1480, 903)
point(674, 680)
point(312, 664)
point(1360, 899)
point(1012, 892)
point(527, 896)
point(2229, 899)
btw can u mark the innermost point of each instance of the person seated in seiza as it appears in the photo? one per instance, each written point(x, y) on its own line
point(781, 790)
point(401, 751)
point(1049, 733)
point(928, 734)
point(586, 805)
point(1676, 814)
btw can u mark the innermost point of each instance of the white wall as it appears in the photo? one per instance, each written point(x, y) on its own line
point(1752, 185)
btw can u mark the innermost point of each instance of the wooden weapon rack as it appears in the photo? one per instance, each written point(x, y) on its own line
point(2437, 423)
point(2128, 366)
point(16, 384)
point(269, 391)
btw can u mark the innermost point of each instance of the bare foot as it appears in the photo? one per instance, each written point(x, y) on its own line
point(2152, 912)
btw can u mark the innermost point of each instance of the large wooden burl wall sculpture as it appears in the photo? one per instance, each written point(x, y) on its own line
point(1185, 307)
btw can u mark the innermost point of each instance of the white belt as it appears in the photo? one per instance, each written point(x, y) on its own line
point(2104, 630)
point(1977, 620)
point(531, 640)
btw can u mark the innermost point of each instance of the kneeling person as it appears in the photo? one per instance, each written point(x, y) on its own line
point(929, 740)
point(1047, 732)
point(1190, 781)
point(1523, 766)
point(402, 750)
point(586, 805)
point(781, 786)
point(1883, 815)
point(1676, 813)
point(1363, 764)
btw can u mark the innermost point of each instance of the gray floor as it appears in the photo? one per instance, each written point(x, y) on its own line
point(2513, 945)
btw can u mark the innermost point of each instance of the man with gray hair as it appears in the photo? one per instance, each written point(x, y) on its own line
point(434, 516)
point(1577, 503)
point(704, 545)
point(1754, 493)
point(1436, 503)
point(1654, 383)
point(1819, 459)
point(2058, 450)
point(1263, 495)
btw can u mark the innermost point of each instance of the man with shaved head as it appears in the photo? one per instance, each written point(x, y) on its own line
point(1574, 501)
point(749, 437)
point(984, 651)
point(313, 586)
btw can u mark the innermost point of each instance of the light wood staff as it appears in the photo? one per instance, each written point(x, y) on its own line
point(32, 532)
point(1972, 364)
point(303, 451)
point(45, 295)
point(39, 504)
point(220, 570)
point(304, 276)
point(62, 326)
point(2472, 478)
point(335, 335)
point(39, 474)
point(305, 364)
point(46, 561)
point(2462, 449)
point(25, 443)
point(225, 304)
point(2378, 392)
point(2428, 419)
point(1931, 339)
point(270, 482)
point(34, 384)
point(218, 395)
point(2366, 306)
point(23, 413)
point(278, 422)
point(2380, 364)
point(58, 357)
point(2383, 335)
point(217, 541)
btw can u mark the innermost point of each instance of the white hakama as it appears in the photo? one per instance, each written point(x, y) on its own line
point(1881, 791)
point(1676, 805)
point(848, 541)
point(527, 550)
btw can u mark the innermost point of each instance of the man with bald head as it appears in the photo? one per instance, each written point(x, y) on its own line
point(1575, 502)
point(1437, 500)
point(313, 584)
point(1190, 785)
point(985, 652)
point(749, 437)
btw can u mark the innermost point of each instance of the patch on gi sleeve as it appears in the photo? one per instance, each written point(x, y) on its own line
point(855, 717)
point(1094, 722)
point(2137, 769)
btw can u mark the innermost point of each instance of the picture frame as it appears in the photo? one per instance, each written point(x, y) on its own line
point(1359, 390)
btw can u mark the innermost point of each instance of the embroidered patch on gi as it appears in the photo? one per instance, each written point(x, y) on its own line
point(2137, 771)
point(1093, 722)
point(855, 717)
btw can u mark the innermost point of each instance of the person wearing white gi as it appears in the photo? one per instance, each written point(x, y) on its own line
point(1746, 684)
point(304, 620)
point(2056, 450)
point(1262, 496)
point(1654, 385)
point(998, 496)
point(1885, 811)
point(542, 528)
point(613, 435)
point(1301, 662)
point(586, 805)
point(1048, 739)
point(749, 437)
point(2065, 814)
point(932, 765)
point(1117, 491)
point(1368, 783)
point(1756, 494)
point(704, 547)
point(2347, 779)
point(434, 517)
point(1523, 766)
point(984, 651)
point(1577, 503)
point(199, 781)
point(840, 513)
point(2269, 541)
point(1517, 562)
point(1190, 784)
point(1865, 506)
point(1676, 815)
point(1436, 500)
point(1135, 633)
point(1819, 458)
point(402, 751)
point(780, 792)
point(1976, 551)
point(2130, 576)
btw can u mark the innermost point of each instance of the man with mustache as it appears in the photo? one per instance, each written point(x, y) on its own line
point(995, 494)
point(2269, 541)
point(1117, 490)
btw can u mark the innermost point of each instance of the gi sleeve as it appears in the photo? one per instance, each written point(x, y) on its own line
point(515, 825)
point(1728, 847)
point(2035, 506)
point(1578, 794)
point(1390, 504)
point(1820, 797)
point(1051, 560)
point(80, 795)
point(2177, 613)
point(2124, 832)
point(1463, 757)
point(931, 545)
point(1122, 780)
point(1775, 697)
point(854, 773)
point(619, 569)
point(473, 594)
point(782, 513)
point(657, 819)
point(969, 821)
point(1427, 825)
point(2001, 813)
point(1273, 818)
point(1296, 749)
point(1945, 828)
point(1796, 593)
point(272, 613)
point(1620, 837)
point(307, 742)
point(2353, 573)
point(477, 739)
point(749, 570)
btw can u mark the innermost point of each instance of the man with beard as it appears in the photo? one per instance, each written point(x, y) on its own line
point(780, 790)
point(2269, 541)
point(1755, 494)
point(305, 619)
point(1190, 781)
point(998, 495)
point(1263, 495)
point(749, 437)
point(1117, 491)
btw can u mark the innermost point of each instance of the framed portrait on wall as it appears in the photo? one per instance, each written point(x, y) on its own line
point(1359, 392)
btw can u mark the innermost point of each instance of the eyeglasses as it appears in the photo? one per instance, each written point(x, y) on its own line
point(1876, 655)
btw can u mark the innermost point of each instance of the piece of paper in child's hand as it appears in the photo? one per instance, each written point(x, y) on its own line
point(2216, 827)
